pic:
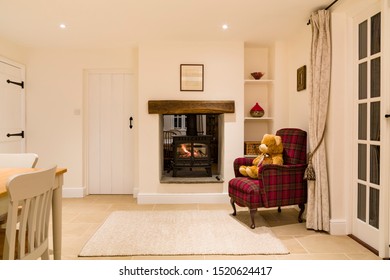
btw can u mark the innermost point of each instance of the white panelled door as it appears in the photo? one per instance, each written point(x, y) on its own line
point(110, 138)
point(12, 107)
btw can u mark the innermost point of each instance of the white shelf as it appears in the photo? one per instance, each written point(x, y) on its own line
point(258, 119)
point(258, 81)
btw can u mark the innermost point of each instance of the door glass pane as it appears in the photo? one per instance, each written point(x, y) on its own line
point(361, 203)
point(374, 208)
point(363, 40)
point(362, 133)
point(375, 122)
point(177, 121)
point(362, 161)
point(376, 77)
point(363, 80)
point(374, 164)
point(376, 33)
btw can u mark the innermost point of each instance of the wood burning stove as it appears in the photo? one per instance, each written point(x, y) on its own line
point(191, 152)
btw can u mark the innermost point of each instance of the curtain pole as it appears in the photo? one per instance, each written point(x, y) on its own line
point(331, 4)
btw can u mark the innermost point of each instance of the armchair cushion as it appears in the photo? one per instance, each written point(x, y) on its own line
point(246, 191)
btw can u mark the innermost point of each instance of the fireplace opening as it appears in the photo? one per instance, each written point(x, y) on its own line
point(191, 145)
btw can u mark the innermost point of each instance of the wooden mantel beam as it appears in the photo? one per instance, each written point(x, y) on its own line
point(182, 107)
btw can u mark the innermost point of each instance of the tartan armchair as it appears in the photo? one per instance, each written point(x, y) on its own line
point(277, 185)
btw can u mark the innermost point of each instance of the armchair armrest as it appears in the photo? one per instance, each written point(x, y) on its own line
point(283, 184)
point(241, 161)
point(271, 169)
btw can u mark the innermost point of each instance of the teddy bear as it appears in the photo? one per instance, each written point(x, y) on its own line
point(271, 149)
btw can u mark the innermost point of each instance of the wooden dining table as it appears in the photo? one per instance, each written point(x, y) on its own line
point(6, 173)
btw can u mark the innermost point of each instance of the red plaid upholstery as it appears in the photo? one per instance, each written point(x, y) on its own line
point(277, 185)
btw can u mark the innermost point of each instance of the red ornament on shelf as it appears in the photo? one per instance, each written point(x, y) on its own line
point(257, 111)
point(257, 75)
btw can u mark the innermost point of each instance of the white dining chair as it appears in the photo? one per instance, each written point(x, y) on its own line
point(18, 160)
point(27, 231)
point(10, 160)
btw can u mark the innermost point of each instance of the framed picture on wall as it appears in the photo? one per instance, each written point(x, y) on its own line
point(301, 78)
point(191, 77)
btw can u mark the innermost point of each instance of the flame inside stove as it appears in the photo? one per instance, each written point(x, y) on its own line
point(184, 152)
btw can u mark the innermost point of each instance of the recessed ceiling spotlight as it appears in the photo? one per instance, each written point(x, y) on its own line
point(225, 26)
point(62, 25)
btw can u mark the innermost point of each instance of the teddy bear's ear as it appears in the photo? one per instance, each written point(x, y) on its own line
point(278, 140)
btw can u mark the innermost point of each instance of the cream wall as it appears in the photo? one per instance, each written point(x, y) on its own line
point(159, 71)
point(298, 56)
point(281, 92)
point(54, 97)
point(340, 130)
point(13, 51)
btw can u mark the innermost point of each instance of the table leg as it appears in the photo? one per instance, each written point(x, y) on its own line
point(57, 217)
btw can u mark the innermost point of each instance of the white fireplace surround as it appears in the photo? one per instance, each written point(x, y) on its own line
point(187, 193)
point(181, 107)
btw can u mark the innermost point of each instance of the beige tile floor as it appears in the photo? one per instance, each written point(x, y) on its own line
point(83, 216)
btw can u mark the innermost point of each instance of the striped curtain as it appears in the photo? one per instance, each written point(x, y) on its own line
point(318, 212)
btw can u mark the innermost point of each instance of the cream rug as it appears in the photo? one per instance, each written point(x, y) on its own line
point(189, 232)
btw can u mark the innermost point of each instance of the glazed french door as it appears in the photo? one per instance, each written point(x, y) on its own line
point(369, 216)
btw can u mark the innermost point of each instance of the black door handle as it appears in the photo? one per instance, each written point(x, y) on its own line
point(131, 122)
point(21, 134)
point(387, 116)
point(21, 84)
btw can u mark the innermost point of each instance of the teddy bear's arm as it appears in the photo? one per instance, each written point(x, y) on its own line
point(240, 162)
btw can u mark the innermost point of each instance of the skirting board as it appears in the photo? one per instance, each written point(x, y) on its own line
point(182, 198)
point(158, 198)
point(338, 227)
point(74, 192)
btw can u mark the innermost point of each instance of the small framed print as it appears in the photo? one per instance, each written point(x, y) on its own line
point(301, 78)
point(191, 77)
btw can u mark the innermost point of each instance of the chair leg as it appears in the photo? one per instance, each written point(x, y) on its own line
point(279, 209)
point(45, 255)
point(253, 212)
point(234, 206)
point(302, 207)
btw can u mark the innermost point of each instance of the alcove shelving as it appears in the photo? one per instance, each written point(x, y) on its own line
point(257, 91)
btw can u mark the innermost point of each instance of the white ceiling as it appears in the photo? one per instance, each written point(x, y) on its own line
point(123, 23)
